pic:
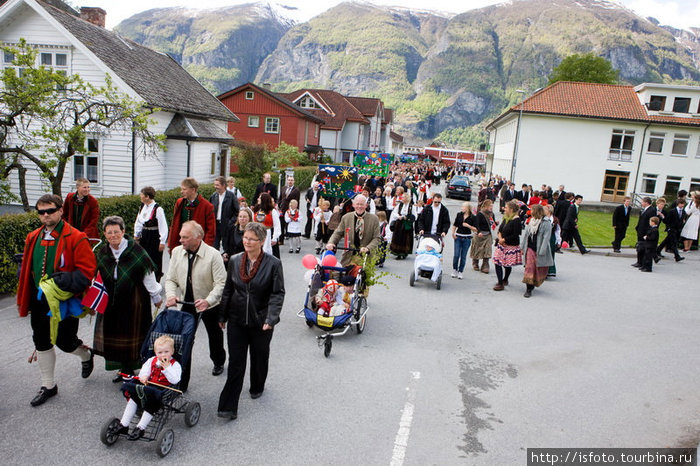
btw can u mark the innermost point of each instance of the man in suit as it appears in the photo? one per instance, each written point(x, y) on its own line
point(508, 195)
point(288, 193)
point(435, 219)
point(561, 208)
point(312, 197)
point(645, 214)
point(225, 207)
point(620, 222)
point(265, 187)
point(570, 226)
point(675, 219)
point(362, 230)
point(524, 195)
point(561, 191)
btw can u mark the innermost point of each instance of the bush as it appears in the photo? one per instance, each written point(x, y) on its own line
point(13, 231)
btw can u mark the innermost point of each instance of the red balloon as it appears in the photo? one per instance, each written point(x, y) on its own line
point(329, 261)
point(309, 261)
point(565, 245)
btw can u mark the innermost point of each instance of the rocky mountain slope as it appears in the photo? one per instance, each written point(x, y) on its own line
point(440, 73)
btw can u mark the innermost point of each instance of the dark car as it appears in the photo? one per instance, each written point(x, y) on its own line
point(459, 187)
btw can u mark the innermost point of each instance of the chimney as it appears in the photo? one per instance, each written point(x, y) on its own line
point(94, 15)
point(267, 86)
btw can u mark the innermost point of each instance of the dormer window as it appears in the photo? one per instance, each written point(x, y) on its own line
point(249, 95)
point(308, 102)
point(657, 102)
point(681, 104)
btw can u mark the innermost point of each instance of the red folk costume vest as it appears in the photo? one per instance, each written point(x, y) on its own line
point(157, 375)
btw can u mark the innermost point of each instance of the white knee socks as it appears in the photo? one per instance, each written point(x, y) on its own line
point(145, 419)
point(82, 353)
point(47, 364)
point(129, 412)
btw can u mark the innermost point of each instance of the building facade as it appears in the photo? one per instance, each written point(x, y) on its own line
point(602, 141)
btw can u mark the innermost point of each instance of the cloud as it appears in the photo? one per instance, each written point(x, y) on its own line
point(677, 13)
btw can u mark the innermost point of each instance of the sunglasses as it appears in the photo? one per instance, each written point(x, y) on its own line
point(50, 211)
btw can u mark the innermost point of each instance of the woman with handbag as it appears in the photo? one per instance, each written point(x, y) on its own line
point(481, 245)
point(401, 224)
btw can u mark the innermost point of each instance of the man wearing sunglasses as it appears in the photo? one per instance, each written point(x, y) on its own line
point(61, 252)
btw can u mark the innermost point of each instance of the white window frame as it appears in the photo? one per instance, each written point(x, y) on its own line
point(680, 139)
point(272, 125)
point(685, 99)
point(93, 155)
point(649, 177)
point(694, 184)
point(249, 95)
point(308, 102)
point(656, 136)
point(253, 121)
point(620, 153)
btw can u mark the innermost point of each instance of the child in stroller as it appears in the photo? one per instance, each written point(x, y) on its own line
point(331, 300)
point(160, 370)
point(428, 262)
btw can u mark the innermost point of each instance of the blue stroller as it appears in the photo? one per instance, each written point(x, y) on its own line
point(181, 327)
point(335, 326)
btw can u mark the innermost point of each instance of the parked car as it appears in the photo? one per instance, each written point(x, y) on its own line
point(459, 187)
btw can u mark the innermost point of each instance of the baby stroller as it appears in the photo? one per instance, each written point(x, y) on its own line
point(335, 326)
point(181, 327)
point(428, 262)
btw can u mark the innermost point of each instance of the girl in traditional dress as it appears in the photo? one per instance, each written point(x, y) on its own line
point(690, 229)
point(269, 217)
point(481, 245)
point(401, 224)
point(535, 244)
point(508, 253)
point(293, 219)
point(129, 277)
point(322, 215)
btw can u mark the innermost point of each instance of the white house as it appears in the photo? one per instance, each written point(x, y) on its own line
point(602, 141)
point(193, 120)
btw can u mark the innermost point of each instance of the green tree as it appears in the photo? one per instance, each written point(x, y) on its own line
point(587, 68)
point(45, 117)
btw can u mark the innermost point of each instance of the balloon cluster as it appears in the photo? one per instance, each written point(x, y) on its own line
point(328, 259)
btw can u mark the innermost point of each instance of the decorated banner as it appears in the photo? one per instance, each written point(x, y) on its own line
point(372, 163)
point(407, 158)
point(338, 180)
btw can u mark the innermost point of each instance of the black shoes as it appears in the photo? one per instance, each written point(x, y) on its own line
point(645, 269)
point(585, 251)
point(255, 395)
point(136, 434)
point(43, 395)
point(121, 430)
point(657, 259)
point(679, 258)
point(528, 293)
point(218, 370)
point(88, 366)
point(636, 264)
point(297, 250)
point(616, 250)
point(230, 415)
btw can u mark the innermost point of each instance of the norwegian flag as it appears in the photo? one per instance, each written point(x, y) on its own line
point(96, 297)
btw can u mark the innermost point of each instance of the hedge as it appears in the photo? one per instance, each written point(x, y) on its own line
point(15, 227)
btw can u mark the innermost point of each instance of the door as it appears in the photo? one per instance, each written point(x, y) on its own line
point(615, 186)
point(223, 169)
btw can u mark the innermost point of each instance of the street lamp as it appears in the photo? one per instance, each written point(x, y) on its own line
point(517, 135)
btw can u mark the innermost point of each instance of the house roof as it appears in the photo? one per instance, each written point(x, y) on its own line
point(366, 105)
point(156, 77)
point(395, 136)
point(277, 98)
point(341, 108)
point(388, 116)
point(201, 129)
point(592, 100)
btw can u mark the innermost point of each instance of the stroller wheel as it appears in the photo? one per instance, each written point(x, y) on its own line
point(412, 279)
point(107, 435)
point(327, 345)
point(439, 282)
point(309, 324)
point(192, 413)
point(164, 442)
point(360, 327)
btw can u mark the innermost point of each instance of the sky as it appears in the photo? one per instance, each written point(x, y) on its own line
point(677, 13)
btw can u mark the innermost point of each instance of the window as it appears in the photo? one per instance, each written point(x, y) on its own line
point(680, 144)
point(212, 170)
point(694, 184)
point(681, 104)
point(316, 135)
point(253, 122)
point(657, 102)
point(8, 57)
point(673, 185)
point(308, 102)
point(86, 166)
point(621, 145)
point(656, 143)
point(249, 95)
point(272, 125)
point(648, 183)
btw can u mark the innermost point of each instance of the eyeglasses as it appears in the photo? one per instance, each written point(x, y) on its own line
point(245, 238)
point(50, 211)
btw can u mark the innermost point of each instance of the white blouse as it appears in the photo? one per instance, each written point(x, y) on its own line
point(149, 281)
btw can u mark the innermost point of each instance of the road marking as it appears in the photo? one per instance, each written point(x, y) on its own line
point(401, 441)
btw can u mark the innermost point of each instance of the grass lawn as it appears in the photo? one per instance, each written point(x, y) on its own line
point(596, 229)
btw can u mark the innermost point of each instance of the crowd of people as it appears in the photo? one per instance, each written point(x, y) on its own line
point(225, 266)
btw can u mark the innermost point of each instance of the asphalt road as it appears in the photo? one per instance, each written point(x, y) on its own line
point(601, 356)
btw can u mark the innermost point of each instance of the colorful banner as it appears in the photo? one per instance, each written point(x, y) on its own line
point(338, 180)
point(408, 158)
point(372, 163)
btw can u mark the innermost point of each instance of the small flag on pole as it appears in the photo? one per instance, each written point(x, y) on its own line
point(96, 297)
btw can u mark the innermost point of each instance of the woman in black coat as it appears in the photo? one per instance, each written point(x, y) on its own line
point(251, 305)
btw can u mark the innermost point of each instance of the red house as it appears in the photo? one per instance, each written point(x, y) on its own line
point(267, 118)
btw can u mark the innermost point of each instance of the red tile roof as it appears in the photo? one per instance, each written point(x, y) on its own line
point(367, 105)
point(341, 108)
point(395, 136)
point(388, 116)
point(276, 97)
point(591, 100)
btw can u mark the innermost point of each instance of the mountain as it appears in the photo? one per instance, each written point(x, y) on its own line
point(220, 47)
point(441, 73)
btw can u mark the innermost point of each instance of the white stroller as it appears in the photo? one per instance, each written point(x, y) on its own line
point(428, 262)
